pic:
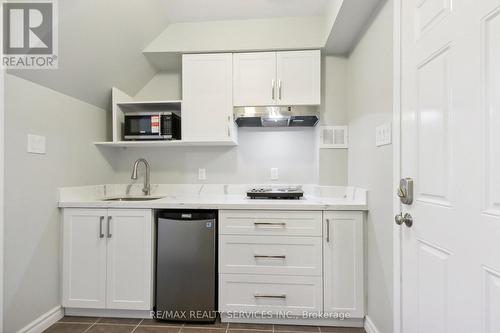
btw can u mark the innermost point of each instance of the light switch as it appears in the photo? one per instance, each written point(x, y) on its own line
point(36, 144)
point(274, 174)
point(202, 174)
point(383, 135)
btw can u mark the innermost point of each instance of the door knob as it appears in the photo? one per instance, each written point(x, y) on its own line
point(407, 219)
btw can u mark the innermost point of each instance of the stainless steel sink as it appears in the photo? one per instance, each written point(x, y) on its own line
point(133, 199)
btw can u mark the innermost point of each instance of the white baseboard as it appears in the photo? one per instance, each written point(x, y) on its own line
point(370, 326)
point(351, 322)
point(143, 314)
point(43, 322)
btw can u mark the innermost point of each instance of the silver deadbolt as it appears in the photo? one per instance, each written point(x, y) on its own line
point(405, 191)
point(407, 219)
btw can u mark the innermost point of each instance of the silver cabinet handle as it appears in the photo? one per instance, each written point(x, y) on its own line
point(328, 230)
point(282, 256)
point(279, 89)
point(228, 126)
point(257, 295)
point(101, 234)
point(109, 227)
point(272, 89)
point(269, 223)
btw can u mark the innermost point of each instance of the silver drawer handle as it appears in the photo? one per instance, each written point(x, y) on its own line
point(270, 256)
point(282, 224)
point(282, 296)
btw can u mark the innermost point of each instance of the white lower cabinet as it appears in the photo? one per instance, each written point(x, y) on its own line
point(291, 262)
point(275, 255)
point(343, 263)
point(107, 258)
point(84, 258)
point(270, 223)
point(270, 293)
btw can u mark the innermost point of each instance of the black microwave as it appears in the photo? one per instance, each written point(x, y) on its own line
point(152, 126)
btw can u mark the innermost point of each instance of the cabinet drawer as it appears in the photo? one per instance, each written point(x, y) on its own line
point(278, 223)
point(251, 293)
point(275, 255)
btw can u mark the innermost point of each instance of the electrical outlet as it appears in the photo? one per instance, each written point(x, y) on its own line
point(36, 144)
point(202, 174)
point(383, 135)
point(274, 174)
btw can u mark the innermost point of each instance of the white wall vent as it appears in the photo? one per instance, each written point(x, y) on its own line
point(333, 137)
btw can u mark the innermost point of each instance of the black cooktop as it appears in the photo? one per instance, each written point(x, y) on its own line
point(292, 192)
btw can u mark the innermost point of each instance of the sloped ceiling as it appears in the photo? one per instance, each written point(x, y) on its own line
point(101, 42)
point(221, 10)
point(100, 46)
point(350, 18)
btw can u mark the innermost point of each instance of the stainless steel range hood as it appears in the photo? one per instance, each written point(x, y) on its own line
point(276, 116)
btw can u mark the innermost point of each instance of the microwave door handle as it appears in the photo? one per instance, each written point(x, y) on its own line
point(160, 123)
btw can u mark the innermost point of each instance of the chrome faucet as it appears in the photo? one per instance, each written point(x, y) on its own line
point(147, 185)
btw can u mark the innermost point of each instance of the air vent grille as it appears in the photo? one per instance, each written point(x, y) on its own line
point(333, 137)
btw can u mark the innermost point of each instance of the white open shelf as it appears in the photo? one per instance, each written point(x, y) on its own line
point(123, 103)
point(150, 106)
point(165, 143)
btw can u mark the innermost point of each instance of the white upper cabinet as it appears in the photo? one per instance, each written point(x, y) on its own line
point(207, 97)
point(254, 78)
point(277, 78)
point(299, 77)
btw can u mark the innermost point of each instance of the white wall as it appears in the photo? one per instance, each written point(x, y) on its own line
point(2, 164)
point(32, 227)
point(165, 85)
point(370, 104)
point(333, 111)
point(290, 150)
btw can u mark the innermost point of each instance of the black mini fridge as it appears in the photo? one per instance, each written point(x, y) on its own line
point(186, 265)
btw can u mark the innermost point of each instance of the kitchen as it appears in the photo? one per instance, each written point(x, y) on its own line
point(248, 166)
point(211, 179)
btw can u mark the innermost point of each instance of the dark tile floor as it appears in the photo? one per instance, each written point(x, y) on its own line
point(71, 324)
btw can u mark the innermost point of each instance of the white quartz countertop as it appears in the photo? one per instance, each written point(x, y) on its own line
point(213, 196)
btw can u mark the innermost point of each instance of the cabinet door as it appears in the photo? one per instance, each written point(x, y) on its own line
point(254, 79)
point(130, 240)
point(84, 258)
point(207, 97)
point(343, 263)
point(299, 77)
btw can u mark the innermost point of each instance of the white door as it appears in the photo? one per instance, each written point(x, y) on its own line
point(343, 268)
point(450, 146)
point(299, 77)
point(254, 79)
point(207, 97)
point(84, 258)
point(130, 242)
